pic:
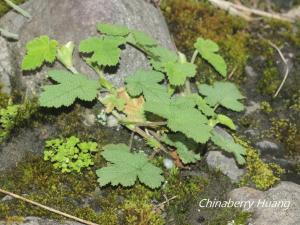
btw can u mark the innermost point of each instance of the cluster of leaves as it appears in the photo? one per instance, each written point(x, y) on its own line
point(162, 94)
point(70, 154)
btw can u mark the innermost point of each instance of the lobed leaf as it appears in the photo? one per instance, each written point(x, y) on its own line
point(146, 83)
point(186, 156)
point(223, 93)
point(228, 145)
point(39, 50)
point(70, 87)
point(113, 29)
point(127, 167)
point(178, 72)
point(208, 51)
point(105, 50)
point(182, 116)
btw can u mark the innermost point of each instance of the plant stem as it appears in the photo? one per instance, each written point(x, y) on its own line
point(47, 208)
point(195, 54)
point(18, 9)
point(134, 128)
point(188, 89)
point(8, 34)
point(216, 106)
point(146, 124)
point(72, 69)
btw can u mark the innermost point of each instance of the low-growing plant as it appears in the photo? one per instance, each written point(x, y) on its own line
point(7, 119)
point(15, 115)
point(159, 104)
point(70, 154)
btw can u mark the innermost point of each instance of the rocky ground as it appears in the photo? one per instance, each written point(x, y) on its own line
point(269, 128)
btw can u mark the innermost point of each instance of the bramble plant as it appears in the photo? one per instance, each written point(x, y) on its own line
point(70, 154)
point(163, 93)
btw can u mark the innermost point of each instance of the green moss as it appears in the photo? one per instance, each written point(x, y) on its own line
point(68, 192)
point(4, 98)
point(232, 216)
point(270, 81)
point(14, 220)
point(295, 105)
point(266, 107)
point(79, 195)
point(14, 115)
point(191, 19)
point(287, 133)
point(262, 175)
point(4, 8)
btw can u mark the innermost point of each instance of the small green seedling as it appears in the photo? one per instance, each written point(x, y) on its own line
point(70, 154)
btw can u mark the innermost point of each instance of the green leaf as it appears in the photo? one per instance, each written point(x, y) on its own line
point(70, 87)
point(126, 167)
point(143, 39)
point(223, 93)
point(182, 116)
point(179, 72)
point(162, 54)
point(39, 50)
point(113, 29)
point(146, 82)
point(208, 51)
point(184, 153)
point(228, 145)
point(192, 123)
point(225, 120)
point(202, 105)
point(159, 56)
point(105, 50)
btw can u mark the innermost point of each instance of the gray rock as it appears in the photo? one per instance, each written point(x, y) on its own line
point(75, 20)
point(250, 72)
point(6, 68)
point(266, 147)
point(112, 121)
point(40, 221)
point(7, 198)
point(89, 118)
point(285, 199)
point(27, 141)
point(217, 161)
point(253, 107)
point(265, 144)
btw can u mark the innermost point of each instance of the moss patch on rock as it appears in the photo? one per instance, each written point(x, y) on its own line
point(191, 19)
point(79, 195)
point(285, 131)
point(258, 173)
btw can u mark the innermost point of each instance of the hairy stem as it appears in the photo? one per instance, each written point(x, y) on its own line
point(73, 69)
point(18, 9)
point(7, 34)
point(216, 106)
point(195, 54)
point(188, 89)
